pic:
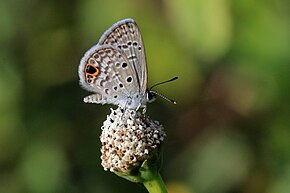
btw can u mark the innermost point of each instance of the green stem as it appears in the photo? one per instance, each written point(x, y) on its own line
point(155, 184)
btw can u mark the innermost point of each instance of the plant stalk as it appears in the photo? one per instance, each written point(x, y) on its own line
point(155, 184)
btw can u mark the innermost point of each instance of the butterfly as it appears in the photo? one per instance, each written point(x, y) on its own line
point(115, 69)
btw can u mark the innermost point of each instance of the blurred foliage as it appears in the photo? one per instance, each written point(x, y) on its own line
point(229, 133)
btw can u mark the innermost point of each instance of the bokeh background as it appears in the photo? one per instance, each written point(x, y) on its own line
point(229, 132)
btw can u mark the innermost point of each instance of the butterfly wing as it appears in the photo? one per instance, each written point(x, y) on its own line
point(126, 36)
point(105, 71)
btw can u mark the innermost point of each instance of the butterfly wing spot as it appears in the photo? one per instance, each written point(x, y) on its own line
point(125, 47)
point(109, 63)
point(107, 69)
point(129, 79)
point(107, 79)
point(92, 70)
point(91, 73)
point(135, 44)
point(129, 43)
point(119, 55)
point(124, 64)
point(108, 51)
point(117, 64)
point(115, 96)
point(115, 88)
point(121, 85)
point(107, 91)
point(96, 56)
point(139, 48)
point(92, 61)
point(116, 75)
point(102, 82)
point(129, 25)
point(102, 53)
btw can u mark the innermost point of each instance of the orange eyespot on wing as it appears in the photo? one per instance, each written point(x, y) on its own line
point(91, 72)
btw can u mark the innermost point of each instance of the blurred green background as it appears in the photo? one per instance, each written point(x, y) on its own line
point(229, 132)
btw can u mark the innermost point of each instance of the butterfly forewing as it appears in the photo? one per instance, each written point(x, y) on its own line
point(126, 36)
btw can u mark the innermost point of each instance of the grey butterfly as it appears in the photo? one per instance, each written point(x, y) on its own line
point(115, 68)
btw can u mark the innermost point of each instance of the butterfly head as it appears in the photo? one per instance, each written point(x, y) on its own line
point(150, 96)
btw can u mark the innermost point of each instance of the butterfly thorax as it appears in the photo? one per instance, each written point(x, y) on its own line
point(133, 102)
point(136, 101)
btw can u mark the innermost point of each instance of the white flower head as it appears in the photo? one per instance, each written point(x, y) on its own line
point(128, 139)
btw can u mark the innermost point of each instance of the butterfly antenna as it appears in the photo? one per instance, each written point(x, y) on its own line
point(164, 97)
point(172, 79)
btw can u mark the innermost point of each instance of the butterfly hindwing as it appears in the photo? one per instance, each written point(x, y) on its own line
point(106, 71)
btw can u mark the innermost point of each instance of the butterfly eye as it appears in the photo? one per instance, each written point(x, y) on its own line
point(151, 96)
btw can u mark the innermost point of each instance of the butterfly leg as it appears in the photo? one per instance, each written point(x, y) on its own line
point(142, 106)
point(144, 109)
